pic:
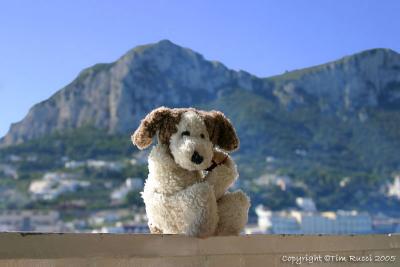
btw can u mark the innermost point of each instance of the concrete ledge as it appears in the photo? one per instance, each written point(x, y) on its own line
point(32, 249)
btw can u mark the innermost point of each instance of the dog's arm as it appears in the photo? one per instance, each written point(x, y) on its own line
point(223, 174)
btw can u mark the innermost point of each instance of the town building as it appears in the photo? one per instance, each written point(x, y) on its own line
point(8, 171)
point(394, 188)
point(313, 222)
point(306, 204)
point(30, 220)
point(54, 184)
point(131, 184)
point(273, 179)
point(104, 165)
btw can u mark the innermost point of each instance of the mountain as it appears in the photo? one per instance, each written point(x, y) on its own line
point(334, 129)
point(115, 96)
point(340, 115)
point(368, 79)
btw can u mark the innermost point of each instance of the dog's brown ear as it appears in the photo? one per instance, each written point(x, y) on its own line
point(221, 131)
point(148, 127)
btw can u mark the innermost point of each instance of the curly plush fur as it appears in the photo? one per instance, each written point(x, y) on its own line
point(180, 197)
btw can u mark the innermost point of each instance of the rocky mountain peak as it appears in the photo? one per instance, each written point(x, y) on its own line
point(115, 96)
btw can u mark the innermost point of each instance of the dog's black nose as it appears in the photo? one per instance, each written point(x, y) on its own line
point(196, 158)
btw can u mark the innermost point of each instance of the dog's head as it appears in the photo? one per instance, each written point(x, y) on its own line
point(190, 134)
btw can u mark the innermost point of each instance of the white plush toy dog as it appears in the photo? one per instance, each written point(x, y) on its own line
point(190, 172)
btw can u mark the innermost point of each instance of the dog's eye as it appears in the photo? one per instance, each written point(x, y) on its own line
point(186, 133)
point(202, 136)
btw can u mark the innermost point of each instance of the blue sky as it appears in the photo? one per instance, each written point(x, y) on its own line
point(44, 44)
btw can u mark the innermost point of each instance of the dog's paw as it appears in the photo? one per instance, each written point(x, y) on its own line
point(227, 168)
point(219, 156)
point(223, 158)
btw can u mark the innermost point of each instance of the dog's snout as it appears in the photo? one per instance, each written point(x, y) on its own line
point(197, 158)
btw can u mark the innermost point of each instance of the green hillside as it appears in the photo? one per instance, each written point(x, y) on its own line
point(332, 129)
point(333, 149)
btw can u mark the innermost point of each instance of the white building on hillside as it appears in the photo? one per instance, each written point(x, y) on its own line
point(131, 184)
point(274, 179)
point(54, 184)
point(394, 189)
point(8, 171)
point(306, 204)
point(104, 165)
point(74, 164)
